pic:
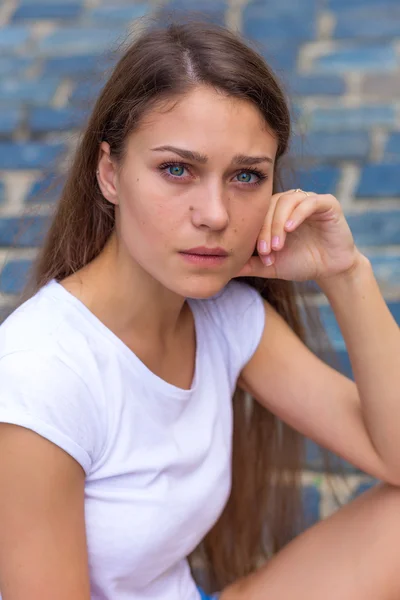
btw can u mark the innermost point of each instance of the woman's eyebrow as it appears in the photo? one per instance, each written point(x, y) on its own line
point(238, 159)
point(243, 159)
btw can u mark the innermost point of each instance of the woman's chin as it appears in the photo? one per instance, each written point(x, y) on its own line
point(202, 288)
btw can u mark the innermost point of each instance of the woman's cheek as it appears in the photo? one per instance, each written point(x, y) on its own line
point(251, 226)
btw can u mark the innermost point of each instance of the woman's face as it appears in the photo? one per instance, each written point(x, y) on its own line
point(197, 176)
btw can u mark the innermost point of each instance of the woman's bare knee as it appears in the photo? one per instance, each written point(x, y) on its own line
point(352, 555)
point(379, 507)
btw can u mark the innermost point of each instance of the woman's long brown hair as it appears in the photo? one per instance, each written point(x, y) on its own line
point(264, 509)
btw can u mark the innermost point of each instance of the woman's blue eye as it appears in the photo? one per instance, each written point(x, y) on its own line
point(245, 177)
point(176, 170)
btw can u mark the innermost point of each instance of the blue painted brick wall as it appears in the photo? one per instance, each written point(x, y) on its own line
point(28, 155)
point(392, 148)
point(353, 57)
point(338, 60)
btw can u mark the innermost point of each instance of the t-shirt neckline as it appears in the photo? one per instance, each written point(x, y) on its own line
point(130, 357)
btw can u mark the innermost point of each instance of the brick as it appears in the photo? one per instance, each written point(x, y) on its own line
point(345, 118)
point(122, 12)
point(265, 21)
point(13, 38)
point(367, 5)
point(192, 5)
point(327, 146)
point(329, 321)
point(387, 271)
point(15, 66)
point(262, 23)
point(14, 276)
point(72, 65)
point(394, 308)
point(381, 86)
point(392, 148)
point(9, 120)
point(297, 114)
point(322, 180)
point(40, 91)
point(47, 10)
point(331, 327)
point(85, 91)
point(30, 2)
point(312, 455)
point(25, 232)
point(29, 155)
point(74, 41)
point(315, 85)
point(379, 181)
point(344, 365)
point(314, 461)
point(46, 119)
point(212, 10)
point(356, 23)
point(311, 504)
point(335, 354)
point(46, 189)
point(281, 55)
point(284, 8)
point(358, 58)
point(269, 28)
point(364, 487)
point(376, 228)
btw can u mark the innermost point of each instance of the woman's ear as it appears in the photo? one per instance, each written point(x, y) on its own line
point(107, 174)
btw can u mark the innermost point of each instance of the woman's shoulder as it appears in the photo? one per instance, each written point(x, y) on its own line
point(45, 386)
point(47, 323)
point(32, 325)
point(32, 347)
point(44, 337)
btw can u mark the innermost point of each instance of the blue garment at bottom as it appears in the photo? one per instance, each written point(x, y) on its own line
point(205, 596)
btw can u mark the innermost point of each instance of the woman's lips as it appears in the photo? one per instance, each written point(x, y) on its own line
point(204, 256)
point(203, 259)
point(216, 251)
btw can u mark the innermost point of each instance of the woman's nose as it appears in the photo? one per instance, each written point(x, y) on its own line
point(211, 209)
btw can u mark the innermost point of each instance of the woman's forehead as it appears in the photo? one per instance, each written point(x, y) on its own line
point(206, 118)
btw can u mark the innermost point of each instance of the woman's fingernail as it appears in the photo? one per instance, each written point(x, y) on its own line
point(262, 245)
point(267, 260)
point(275, 241)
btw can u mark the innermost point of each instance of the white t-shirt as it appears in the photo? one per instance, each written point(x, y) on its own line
point(157, 457)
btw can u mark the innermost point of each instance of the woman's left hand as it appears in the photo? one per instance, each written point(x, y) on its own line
point(305, 236)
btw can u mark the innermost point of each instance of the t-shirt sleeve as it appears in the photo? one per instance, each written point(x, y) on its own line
point(241, 314)
point(42, 393)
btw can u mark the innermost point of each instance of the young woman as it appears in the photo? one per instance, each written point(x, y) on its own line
point(165, 283)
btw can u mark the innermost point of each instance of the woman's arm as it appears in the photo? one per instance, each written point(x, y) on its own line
point(43, 552)
point(372, 339)
point(360, 422)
